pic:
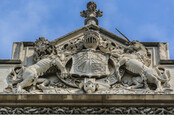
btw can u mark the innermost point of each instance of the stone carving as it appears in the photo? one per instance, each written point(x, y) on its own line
point(14, 77)
point(147, 74)
point(135, 62)
point(91, 13)
point(30, 75)
point(91, 85)
point(89, 64)
point(86, 110)
point(132, 82)
point(43, 48)
point(163, 51)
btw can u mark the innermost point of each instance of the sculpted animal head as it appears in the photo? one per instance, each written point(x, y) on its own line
point(136, 45)
point(141, 51)
point(89, 87)
point(139, 47)
point(42, 48)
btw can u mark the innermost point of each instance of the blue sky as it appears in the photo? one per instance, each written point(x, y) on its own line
point(27, 20)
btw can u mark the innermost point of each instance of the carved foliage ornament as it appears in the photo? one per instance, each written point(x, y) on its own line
point(91, 13)
point(86, 110)
point(90, 64)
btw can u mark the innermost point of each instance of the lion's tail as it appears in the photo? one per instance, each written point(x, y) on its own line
point(165, 75)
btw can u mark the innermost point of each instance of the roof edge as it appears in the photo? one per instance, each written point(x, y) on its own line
point(92, 26)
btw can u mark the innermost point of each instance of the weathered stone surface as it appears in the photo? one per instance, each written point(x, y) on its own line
point(89, 70)
point(86, 110)
point(86, 104)
point(91, 13)
point(91, 64)
point(87, 100)
point(4, 71)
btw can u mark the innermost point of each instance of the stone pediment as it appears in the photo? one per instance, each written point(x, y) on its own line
point(79, 33)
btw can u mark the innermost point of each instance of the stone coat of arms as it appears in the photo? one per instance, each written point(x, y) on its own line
point(91, 63)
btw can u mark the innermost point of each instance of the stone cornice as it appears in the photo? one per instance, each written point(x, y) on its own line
point(9, 61)
point(166, 62)
point(86, 100)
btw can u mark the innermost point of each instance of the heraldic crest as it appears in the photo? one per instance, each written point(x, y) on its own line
point(90, 63)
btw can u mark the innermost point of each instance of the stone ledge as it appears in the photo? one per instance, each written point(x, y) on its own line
point(166, 62)
point(151, 44)
point(29, 44)
point(86, 100)
point(9, 61)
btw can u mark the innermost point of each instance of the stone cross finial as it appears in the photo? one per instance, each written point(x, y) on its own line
point(91, 13)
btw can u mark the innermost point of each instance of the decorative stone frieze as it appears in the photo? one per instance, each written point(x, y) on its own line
point(86, 110)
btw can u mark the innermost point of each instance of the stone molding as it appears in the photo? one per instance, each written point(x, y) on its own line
point(9, 61)
point(87, 100)
point(166, 62)
point(86, 104)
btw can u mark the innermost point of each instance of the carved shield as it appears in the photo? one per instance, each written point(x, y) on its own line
point(91, 64)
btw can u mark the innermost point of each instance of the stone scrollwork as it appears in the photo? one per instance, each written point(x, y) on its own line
point(89, 64)
point(86, 110)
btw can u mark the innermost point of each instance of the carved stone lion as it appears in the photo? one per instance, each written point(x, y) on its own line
point(28, 76)
point(136, 65)
point(31, 73)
